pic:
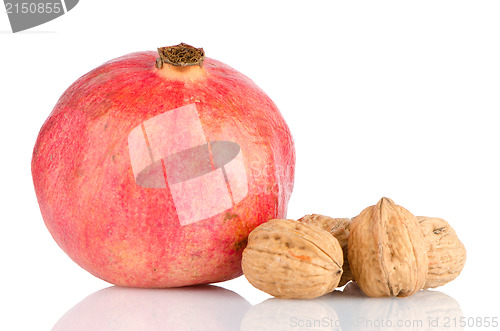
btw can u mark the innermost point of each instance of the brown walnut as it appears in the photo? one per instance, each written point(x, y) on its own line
point(445, 251)
point(387, 252)
point(289, 259)
point(339, 228)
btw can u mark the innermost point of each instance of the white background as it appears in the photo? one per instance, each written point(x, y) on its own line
point(383, 98)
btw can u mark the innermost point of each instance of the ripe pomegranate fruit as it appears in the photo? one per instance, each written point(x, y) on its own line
point(151, 172)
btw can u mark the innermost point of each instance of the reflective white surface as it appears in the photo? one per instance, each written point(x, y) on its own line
point(216, 308)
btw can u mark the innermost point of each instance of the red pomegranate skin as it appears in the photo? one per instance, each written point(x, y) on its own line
point(131, 235)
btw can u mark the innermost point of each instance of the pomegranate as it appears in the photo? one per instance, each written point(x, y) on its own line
point(151, 172)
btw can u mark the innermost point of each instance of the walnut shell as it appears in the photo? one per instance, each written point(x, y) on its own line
point(387, 252)
point(339, 228)
point(445, 251)
point(293, 260)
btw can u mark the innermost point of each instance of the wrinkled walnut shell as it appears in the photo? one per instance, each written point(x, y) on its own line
point(289, 259)
point(339, 228)
point(445, 251)
point(387, 252)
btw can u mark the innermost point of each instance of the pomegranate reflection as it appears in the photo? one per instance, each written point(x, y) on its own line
point(195, 308)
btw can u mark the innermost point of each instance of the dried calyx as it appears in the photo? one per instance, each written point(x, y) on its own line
point(181, 55)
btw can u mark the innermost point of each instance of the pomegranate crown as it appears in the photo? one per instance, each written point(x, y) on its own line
point(181, 55)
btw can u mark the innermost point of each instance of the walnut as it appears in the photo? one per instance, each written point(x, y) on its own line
point(339, 228)
point(387, 252)
point(290, 259)
point(445, 251)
